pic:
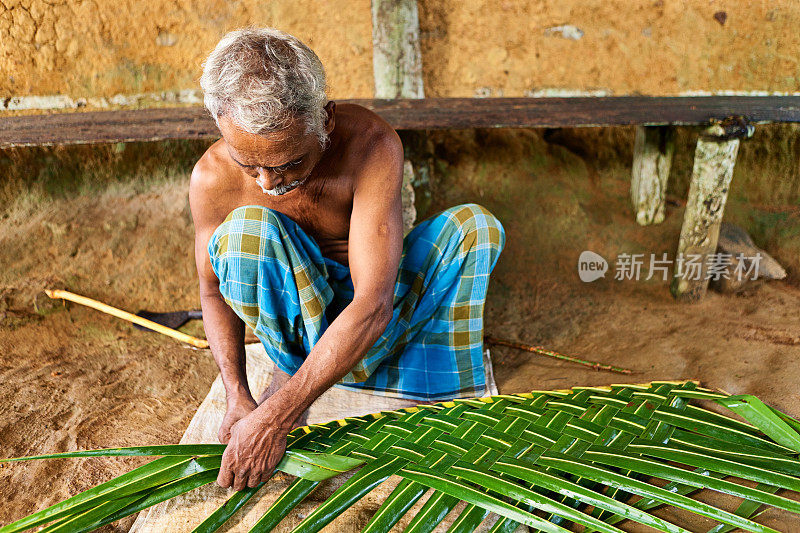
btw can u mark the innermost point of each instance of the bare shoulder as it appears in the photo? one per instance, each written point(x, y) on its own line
point(210, 184)
point(368, 125)
point(210, 171)
point(376, 143)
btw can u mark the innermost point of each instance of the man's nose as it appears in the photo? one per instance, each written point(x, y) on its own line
point(269, 177)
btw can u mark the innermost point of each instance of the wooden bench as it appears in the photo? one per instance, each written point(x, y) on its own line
point(414, 114)
point(724, 120)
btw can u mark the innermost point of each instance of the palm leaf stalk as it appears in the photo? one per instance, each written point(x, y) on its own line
point(594, 457)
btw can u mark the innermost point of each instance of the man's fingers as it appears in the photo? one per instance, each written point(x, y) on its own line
point(253, 480)
point(268, 470)
point(240, 481)
point(225, 477)
point(224, 433)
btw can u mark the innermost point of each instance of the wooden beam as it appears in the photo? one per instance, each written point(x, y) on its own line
point(412, 114)
point(397, 69)
point(653, 148)
point(466, 113)
point(714, 159)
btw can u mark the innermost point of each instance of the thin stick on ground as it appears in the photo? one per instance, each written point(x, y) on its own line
point(119, 313)
point(549, 353)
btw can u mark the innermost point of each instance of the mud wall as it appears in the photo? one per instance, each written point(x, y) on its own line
point(660, 47)
point(103, 48)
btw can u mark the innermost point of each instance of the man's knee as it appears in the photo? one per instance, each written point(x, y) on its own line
point(474, 218)
point(249, 218)
point(244, 231)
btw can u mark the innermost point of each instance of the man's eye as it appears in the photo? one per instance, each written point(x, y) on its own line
point(287, 165)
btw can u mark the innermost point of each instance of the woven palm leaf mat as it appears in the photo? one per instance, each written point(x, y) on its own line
point(673, 456)
point(185, 512)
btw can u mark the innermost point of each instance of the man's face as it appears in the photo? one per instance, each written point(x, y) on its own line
point(277, 161)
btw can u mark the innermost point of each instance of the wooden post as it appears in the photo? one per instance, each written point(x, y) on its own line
point(652, 159)
point(397, 66)
point(714, 160)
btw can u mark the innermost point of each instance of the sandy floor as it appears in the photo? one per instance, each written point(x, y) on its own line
point(557, 206)
point(72, 378)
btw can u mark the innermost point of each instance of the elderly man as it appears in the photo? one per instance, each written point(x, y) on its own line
point(299, 235)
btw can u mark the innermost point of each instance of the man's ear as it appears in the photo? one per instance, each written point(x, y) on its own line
point(330, 110)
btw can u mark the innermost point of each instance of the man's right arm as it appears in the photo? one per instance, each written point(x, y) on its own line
point(224, 329)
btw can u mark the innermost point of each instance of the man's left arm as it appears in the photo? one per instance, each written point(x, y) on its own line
point(258, 441)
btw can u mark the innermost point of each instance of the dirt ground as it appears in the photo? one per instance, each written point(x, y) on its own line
point(113, 223)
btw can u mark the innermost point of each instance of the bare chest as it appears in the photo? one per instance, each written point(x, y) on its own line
point(322, 211)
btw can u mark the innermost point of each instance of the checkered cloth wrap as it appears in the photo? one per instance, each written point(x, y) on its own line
point(273, 275)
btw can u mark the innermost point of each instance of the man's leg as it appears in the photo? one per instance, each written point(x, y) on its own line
point(274, 277)
point(433, 347)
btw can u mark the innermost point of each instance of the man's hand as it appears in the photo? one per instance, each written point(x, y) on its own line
point(235, 411)
point(256, 446)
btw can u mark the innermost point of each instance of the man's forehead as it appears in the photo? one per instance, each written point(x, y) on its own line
point(294, 132)
point(272, 149)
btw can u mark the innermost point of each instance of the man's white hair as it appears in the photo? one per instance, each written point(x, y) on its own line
point(262, 78)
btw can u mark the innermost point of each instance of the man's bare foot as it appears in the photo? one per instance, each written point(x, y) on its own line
point(302, 421)
point(234, 412)
point(279, 379)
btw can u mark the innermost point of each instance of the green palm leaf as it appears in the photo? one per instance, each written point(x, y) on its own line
point(596, 457)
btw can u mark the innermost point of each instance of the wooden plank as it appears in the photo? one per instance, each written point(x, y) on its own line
point(185, 512)
point(465, 113)
point(412, 114)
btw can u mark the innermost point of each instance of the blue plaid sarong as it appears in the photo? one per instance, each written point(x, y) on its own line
point(274, 277)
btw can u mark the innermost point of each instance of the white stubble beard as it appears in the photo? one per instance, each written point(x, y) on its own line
point(282, 189)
